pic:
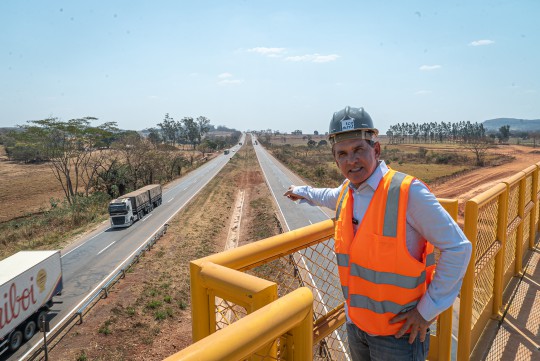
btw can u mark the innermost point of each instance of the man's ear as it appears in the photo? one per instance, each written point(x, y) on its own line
point(377, 148)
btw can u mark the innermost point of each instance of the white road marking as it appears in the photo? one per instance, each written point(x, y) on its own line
point(148, 216)
point(82, 244)
point(100, 252)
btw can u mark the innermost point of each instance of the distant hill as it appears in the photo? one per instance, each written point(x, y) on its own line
point(523, 125)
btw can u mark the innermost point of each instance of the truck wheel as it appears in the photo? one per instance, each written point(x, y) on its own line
point(15, 340)
point(41, 316)
point(29, 330)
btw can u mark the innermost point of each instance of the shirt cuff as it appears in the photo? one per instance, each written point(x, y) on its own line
point(304, 192)
point(427, 308)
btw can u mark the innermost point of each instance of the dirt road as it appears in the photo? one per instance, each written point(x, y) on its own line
point(467, 186)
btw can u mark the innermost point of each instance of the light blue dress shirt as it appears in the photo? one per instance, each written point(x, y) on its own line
point(426, 218)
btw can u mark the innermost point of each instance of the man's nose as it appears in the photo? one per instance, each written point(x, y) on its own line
point(351, 158)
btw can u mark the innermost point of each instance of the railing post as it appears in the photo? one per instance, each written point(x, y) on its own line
point(444, 322)
point(534, 210)
point(467, 288)
point(199, 305)
point(302, 338)
point(519, 234)
point(498, 287)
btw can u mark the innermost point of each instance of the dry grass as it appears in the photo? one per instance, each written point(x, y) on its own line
point(26, 188)
point(429, 172)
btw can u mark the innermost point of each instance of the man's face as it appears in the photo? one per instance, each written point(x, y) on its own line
point(356, 159)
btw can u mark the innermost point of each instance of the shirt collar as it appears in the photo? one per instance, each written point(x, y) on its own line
point(374, 179)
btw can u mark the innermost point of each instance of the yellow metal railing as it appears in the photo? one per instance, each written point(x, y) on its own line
point(291, 315)
point(501, 223)
point(236, 293)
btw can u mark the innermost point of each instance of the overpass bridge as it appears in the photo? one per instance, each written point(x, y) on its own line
point(279, 298)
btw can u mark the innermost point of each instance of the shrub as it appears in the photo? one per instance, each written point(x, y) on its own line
point(153, 304)
point(130, 311)
point(320, 172)
point(82, 356)
point(104, 329)
point(160, 315)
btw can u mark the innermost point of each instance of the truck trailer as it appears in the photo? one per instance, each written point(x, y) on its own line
point(130, 207)
point(28, 282)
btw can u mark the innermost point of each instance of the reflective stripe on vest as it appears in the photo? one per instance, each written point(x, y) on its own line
point(342, 259)
point(390, 214)
point(345, 188)
point(380, 306)
point(387, 278)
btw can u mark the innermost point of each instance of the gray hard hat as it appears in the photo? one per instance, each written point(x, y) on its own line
point(351, 123)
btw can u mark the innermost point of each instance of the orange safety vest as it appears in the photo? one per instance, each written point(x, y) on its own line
point(379, 277)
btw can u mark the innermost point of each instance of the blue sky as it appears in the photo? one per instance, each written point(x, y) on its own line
point(280, 65)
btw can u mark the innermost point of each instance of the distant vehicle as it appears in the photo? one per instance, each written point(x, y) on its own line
point(256, 143)
point(127, 209)
point(226, 151)
point(28, 282)
point(240, 143)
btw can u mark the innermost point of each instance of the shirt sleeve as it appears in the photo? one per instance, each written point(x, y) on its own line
point(323, 197)
point(426, 215)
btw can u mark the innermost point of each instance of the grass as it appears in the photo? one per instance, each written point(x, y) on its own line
point(153, 304)
point(160, 315)
point(130, 311)
point(50, 229)
point(429, 172)
point(104, 329)
point(82, 356)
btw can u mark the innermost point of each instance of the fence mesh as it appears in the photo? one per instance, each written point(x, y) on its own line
point(511, 235)
point(313, 267)
point(485, 251)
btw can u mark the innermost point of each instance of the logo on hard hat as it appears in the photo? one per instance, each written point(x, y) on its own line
point(347, 124)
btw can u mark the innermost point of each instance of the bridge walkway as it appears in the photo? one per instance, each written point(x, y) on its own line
point(517, 336)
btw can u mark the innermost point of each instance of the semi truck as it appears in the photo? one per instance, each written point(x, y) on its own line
point(130, 207)
point(28, 282)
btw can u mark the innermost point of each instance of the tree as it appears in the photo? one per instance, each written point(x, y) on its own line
point(154, 137)
point(135, 151)
point(203, 125)
point(504, 132)
point(71, 149)
point(191, 130)
point(479, 146)
point(169, 130)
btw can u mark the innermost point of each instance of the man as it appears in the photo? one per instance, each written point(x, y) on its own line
point(384, 220)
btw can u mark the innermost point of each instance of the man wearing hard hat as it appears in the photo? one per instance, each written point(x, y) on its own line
point(386, 227)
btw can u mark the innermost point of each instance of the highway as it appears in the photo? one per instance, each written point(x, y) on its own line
point(89, 262)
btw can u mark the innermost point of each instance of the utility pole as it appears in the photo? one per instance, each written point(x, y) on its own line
point(44, 326)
